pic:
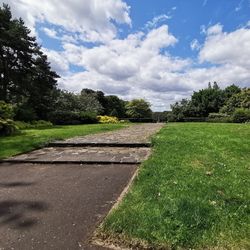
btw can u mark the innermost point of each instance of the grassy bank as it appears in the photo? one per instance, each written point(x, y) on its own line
point(192, 193)
point(34, 138)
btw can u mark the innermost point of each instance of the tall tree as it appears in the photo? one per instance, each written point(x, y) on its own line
point(138, 108)
point(25, 74)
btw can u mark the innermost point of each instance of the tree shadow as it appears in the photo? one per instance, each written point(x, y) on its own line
point(18, 213)
point(15, 184)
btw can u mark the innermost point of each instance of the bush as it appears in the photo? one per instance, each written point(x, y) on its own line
point(7, 127)
point(107, 119)
point(72, 118)
point(25, 113)
point(33, 124)
point(64, 117)
point(6, 110)
point(241, 115)
point(88, 117)
point(219, 117)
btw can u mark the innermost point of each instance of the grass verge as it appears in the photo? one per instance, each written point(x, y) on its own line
point(193, 193)
point(34, 138)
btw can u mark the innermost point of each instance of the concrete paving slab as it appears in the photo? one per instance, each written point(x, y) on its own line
point(47, 207)
point(84, 155)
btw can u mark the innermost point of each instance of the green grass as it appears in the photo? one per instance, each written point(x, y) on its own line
point(194, 192)
point(34, 138)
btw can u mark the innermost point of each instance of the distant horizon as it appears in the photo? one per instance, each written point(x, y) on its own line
point(160, 52)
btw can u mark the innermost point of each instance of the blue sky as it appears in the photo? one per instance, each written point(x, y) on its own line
point(158, 50)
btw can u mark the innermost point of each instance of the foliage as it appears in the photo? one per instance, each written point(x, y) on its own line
point(239, 100)
point(6, 110)
point(241, 115)
point(160, 116)
point(26, 77)
point(107, 119)
point(114, 106)
point(25, 113)
point(72, 117)
point(7, 127)
point(88, 117)
point(138, 108)
point(209, 101)
point(193, 193)
point(64, 117)
point(36, 138)
point(33, 125)
point(219, 117)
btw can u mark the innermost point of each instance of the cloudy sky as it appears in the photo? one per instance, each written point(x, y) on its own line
point(160, 50)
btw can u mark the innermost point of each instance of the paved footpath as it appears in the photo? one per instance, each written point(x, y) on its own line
point(59, 205)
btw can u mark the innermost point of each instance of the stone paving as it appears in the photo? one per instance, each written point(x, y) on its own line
point(124, 146)
point(134, 134)
point(84, 155)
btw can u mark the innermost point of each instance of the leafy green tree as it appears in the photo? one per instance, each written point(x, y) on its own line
point(26, 78)
point(239, 100)
point(138, 108)
point(208, 100)
point(114, 106)
point(231, 90)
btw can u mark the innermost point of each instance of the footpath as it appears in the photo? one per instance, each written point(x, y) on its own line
point(55, 197)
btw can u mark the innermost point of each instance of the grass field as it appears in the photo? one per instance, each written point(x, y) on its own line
point(193, 193)
point(34, 138)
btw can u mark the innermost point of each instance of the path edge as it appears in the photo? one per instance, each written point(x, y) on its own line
point(95, 239)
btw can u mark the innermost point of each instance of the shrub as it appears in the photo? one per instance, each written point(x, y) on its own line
point(69, 117)
point(219, 117)
point(41, 124)
point(88, 117)
point(241, 115)
point(33, 124)
point(25, 113)
point(7, 127)
point(107, 119)
point(6, 110)
point(64, 117)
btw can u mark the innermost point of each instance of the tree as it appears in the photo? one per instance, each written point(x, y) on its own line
point(115, 106)
point(231, 90)
point(208, 100)
point(26, 78)
point(138, 108)
point(239, 100)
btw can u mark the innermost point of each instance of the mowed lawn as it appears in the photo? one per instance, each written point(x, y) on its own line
point(33, 138)
point(194, 192)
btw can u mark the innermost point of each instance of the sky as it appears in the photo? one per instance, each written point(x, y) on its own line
point(159, 50)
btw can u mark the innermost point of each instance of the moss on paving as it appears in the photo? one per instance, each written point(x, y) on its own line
point(192, 193)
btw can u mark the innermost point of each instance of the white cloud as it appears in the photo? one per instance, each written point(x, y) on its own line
point(50, 32)
point(215, 29)
point(227, 48)
point(135, 66)
point(129, 67)
point(195, 45)
point(57, 60)
point(93, 19)
point(158, 19)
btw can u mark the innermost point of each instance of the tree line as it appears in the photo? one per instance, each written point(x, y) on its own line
point(231, 104)
point(29, 85)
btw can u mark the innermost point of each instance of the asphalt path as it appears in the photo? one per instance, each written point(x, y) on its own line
point(56, 206)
